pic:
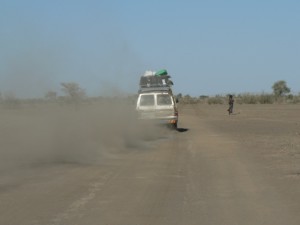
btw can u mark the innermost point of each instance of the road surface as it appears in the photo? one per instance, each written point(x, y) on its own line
point(200, 174)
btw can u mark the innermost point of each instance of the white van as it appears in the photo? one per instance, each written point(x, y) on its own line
point(159, 106)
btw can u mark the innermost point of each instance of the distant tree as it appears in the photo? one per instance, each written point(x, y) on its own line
point(73, 91)
point(203, 97)
point(51, 95)
point(280, 88)
point(10, 100)
point(179, 96)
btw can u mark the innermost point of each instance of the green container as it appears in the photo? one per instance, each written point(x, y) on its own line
point(161, 73)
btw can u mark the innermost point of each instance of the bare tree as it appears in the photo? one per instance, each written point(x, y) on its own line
point(51, 95)
point(74, 93)
point(73, 90)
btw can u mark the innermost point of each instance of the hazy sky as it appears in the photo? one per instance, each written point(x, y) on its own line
point(208, 47)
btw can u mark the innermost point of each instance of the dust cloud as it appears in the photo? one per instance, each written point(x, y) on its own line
point(51, 133)
point(89, 133)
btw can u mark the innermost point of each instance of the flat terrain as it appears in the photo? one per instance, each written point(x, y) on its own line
point(94, 165)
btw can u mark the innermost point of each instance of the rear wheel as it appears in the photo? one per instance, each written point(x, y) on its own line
point(174, 126)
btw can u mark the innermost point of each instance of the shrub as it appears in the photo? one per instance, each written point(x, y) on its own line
point(247, 99)
point(266, 99)
point(187, 99)
point(11, 101)
point(296, 99)
point(216, 100)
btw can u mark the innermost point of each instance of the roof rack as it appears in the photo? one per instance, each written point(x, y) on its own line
point(155, 89)
point(155, 81)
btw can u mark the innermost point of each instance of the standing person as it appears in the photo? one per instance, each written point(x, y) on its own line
point(230, 102)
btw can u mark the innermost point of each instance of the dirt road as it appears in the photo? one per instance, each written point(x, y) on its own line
point(216, 169)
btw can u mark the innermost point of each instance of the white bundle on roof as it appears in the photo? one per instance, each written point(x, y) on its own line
point(149, 73)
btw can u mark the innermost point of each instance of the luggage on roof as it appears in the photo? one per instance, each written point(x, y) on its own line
point(149, 73)
point(155, 81)
point(162, 72)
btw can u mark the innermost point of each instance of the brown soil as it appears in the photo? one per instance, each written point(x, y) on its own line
point(95, 164)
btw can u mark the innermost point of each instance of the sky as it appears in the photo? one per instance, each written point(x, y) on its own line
point(209, 47)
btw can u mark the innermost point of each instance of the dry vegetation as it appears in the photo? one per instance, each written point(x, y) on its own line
point(246, 98)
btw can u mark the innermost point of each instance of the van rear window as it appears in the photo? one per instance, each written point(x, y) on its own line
point(164, 100)
point(147, 100)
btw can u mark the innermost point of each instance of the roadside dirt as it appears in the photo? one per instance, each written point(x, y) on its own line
point(269, 132)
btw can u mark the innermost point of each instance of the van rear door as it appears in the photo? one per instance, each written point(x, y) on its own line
point(164, 106)
point(146, 106)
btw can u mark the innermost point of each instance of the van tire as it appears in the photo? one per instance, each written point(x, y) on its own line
point(174, 126)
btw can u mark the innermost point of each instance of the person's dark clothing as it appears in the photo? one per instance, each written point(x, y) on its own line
point(230, 102)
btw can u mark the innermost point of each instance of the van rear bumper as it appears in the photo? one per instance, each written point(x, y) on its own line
point(169, 120)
